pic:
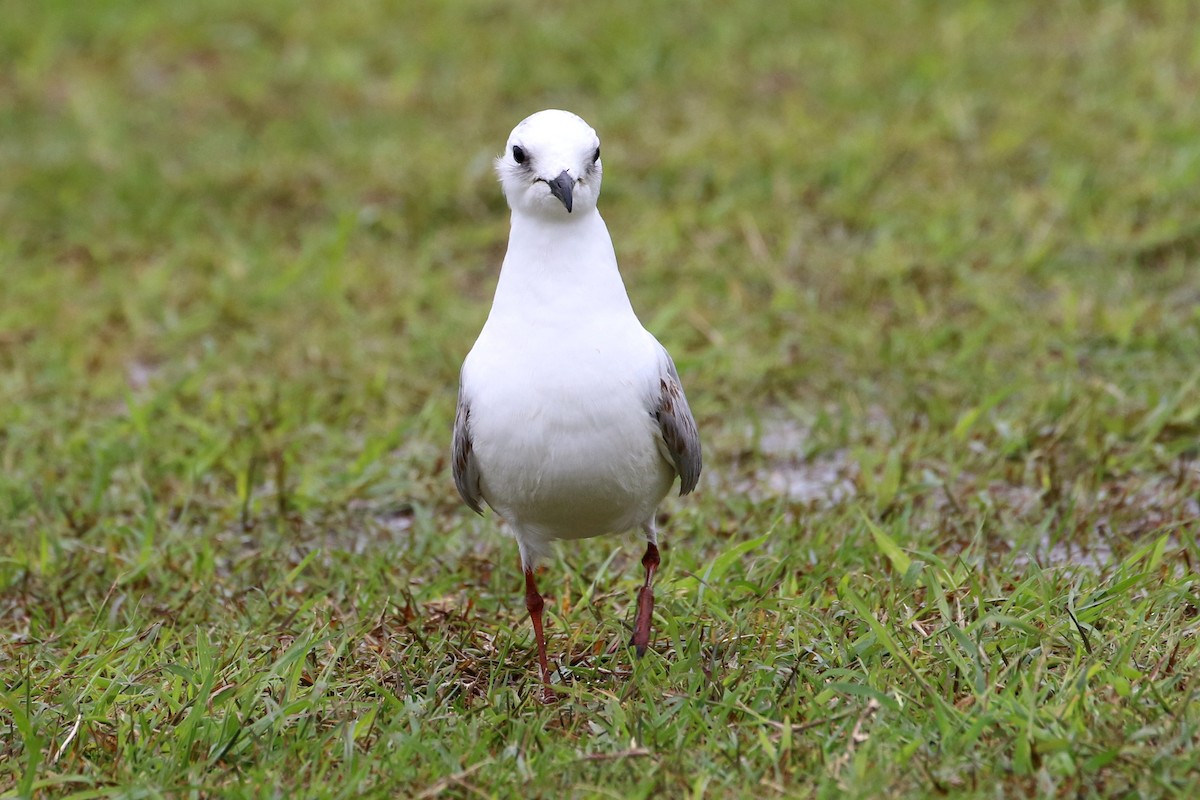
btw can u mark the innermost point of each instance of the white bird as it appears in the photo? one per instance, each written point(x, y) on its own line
point(571, 420)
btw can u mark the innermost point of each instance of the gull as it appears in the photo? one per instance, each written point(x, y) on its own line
point(571, 420)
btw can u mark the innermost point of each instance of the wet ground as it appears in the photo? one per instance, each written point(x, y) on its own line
point(778, 461)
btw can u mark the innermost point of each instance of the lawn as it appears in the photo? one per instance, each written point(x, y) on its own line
point(930, 275)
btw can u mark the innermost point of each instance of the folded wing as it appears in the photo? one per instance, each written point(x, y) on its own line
point(680, 441)
point(464, 465)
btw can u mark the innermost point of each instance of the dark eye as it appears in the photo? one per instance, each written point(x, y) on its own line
point(596, 157)
point(519, 154)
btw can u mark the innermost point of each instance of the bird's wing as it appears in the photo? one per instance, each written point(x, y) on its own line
point(680, 440)
point(466, 468)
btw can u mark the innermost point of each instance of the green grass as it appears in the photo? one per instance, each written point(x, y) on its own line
point(929, 271)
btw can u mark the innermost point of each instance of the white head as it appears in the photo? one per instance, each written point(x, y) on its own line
point(551, 166)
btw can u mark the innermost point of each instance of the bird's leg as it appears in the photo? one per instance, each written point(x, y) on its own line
point(535, 604)
point(645, 601)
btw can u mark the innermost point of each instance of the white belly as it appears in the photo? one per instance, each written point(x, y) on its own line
point(571, 451)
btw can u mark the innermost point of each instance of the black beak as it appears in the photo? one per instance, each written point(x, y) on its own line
point(561, 188)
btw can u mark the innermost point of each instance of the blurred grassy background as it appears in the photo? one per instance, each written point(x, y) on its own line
point(945, 253)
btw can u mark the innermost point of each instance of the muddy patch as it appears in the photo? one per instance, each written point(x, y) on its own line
point(1076, 526)
point(775, 459)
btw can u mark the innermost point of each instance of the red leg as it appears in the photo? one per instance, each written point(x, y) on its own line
point(535, 604)
point(645, 601)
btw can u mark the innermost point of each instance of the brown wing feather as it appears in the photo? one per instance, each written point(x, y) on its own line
point(463, 464)
point(678, 428)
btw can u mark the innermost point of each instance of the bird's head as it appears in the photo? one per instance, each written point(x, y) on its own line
point(551, 166)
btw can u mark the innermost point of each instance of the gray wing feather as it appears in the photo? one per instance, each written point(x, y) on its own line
point(677, 426)
point(464, 465)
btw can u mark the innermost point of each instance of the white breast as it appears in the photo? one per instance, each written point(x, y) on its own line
point(562, 428)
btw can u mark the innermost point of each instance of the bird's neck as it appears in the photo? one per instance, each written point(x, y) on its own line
point(562, 266)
